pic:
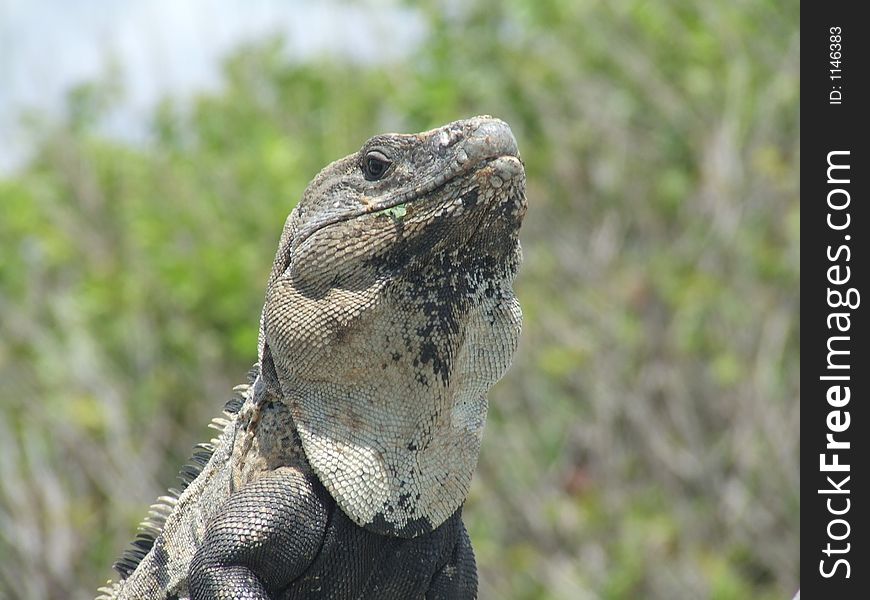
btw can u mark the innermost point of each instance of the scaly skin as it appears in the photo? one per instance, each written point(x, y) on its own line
point(389, 314)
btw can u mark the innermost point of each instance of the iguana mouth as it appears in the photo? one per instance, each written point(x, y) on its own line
point(426, 194)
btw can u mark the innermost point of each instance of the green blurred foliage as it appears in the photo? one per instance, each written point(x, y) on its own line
point(645, 443)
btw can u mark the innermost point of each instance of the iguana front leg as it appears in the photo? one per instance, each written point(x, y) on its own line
point(282, 536)
point(267, 534)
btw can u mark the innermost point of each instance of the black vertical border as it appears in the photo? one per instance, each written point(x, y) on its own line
point(827, 127)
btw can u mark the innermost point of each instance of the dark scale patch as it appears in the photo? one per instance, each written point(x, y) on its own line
point(442, 293)
point(510, 210)
point(161, 561)
point(469, 200)
point(431, 307)
point(426, 330)
point(412, 528)
point(440, 366)
point(404, 251)
point(407, 341)
point(436, 335)
point(404, 502)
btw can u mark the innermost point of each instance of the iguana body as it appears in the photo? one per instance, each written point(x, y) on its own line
point(341, 470)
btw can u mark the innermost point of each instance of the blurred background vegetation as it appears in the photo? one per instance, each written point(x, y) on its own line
point(645, 442)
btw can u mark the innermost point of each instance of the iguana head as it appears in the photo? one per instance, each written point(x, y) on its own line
point(389, 314)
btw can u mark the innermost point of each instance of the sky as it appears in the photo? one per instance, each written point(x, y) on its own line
point(166, 47)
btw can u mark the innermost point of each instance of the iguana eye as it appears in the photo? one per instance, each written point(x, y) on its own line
point(375, 165)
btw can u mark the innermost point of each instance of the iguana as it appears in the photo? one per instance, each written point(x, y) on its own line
point(341, 467)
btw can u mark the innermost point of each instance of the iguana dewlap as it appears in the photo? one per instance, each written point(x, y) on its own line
point(341, 469)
